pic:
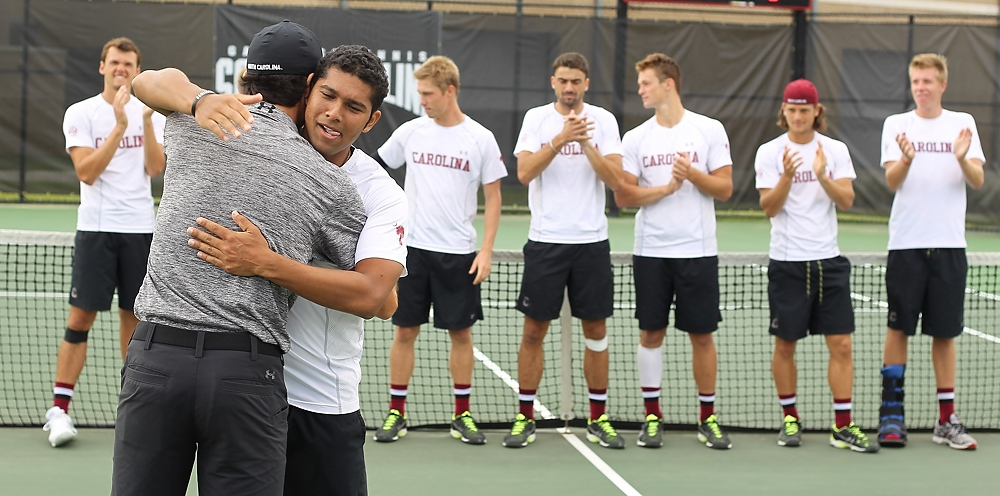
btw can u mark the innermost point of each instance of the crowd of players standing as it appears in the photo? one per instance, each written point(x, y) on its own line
point(301, 228)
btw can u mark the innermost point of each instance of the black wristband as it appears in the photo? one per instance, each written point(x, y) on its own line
point(194, 104)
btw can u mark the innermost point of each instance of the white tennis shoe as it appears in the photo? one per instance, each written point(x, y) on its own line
point(59, 426)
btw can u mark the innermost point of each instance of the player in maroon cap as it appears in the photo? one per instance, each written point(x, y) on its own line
point(808, 280)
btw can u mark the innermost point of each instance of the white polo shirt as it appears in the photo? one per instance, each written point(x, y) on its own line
point(444, 168)
point(567, 199)
point(120, 200)
point(928, 210)
point(323, 366)
point(681, 225)
point(806, 227)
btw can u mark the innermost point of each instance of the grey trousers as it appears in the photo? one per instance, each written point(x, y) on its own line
point(228, 406)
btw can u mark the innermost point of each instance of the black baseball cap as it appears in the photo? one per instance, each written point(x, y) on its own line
point(284, 48)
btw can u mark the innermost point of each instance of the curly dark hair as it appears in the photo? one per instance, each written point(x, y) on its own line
point(358, 61)
point(286, 90)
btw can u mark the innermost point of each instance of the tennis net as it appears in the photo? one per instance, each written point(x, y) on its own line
point(33, 307)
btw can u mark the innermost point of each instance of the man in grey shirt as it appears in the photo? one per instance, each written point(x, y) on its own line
point(204, 369)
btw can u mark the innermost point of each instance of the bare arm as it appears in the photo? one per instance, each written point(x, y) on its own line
point(718, 184)
point(972, 169)
point(166, 90)
point(608, 167)
point(895, 172)
point(169, 90)
point(630, 194)
point(772, 200)
point(390, 305)
point(840, 191)
point(362, 292)
point(90, 163)
point(152, 150)
point(531, 164)
point(483, 263)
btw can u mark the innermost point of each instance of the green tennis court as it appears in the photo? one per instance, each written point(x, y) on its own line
point(428, 461)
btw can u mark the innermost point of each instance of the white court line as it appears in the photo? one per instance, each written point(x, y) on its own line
point(980, 334)
point(970, 291)
point(968, 330)
point(29, 294)
point(545, 413)
point(600, 465)
point(509, 381)
point(982, 294)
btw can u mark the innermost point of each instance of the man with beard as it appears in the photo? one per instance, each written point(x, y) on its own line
point(567, 151)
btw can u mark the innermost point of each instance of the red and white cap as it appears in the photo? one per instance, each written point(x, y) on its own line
point(801, 92)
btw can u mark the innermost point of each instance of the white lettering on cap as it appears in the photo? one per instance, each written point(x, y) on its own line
point(264, 67)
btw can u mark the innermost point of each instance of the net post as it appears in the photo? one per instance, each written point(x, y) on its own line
point(566, 361)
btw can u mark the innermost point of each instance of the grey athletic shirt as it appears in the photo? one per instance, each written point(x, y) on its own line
point(305, 206)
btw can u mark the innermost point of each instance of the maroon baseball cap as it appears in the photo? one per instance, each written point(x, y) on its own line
point(800, 92)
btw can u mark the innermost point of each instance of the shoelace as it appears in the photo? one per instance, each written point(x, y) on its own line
point(955, 430)
point(653, 427)
point(470, 425)
point(390, 421)
point(519, 426)
point(713, 424)
point(791, 428)
point(856, 432)
point(605, 425)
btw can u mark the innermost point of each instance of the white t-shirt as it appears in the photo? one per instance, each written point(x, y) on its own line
point(806, 227)
point(928, 210)
point(681, 225)
point(444, 168)
point(323, 366)
point(120, 200)
point(567, 199)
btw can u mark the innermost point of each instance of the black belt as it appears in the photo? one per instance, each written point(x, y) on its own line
point(232, 341)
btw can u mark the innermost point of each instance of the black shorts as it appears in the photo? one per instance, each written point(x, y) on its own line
point(550, 268)
point(693, 281)
point(810, 297)
point(930, 282)
point(326, 455)
point(444, 280)
point(103, 261)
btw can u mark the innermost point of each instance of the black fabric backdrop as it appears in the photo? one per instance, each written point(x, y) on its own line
point(734, 73)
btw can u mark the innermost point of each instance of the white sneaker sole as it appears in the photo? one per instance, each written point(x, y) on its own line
point(594, 439)
point(458, 435)
point(61, 438)
point(840, 444)
point(399, 434)
point(952, 444)
point(703, 438)
point(526, 442)
point(654, 444)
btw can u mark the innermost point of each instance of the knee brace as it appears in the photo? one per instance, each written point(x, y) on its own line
point(597, 345)
point(75, 337)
